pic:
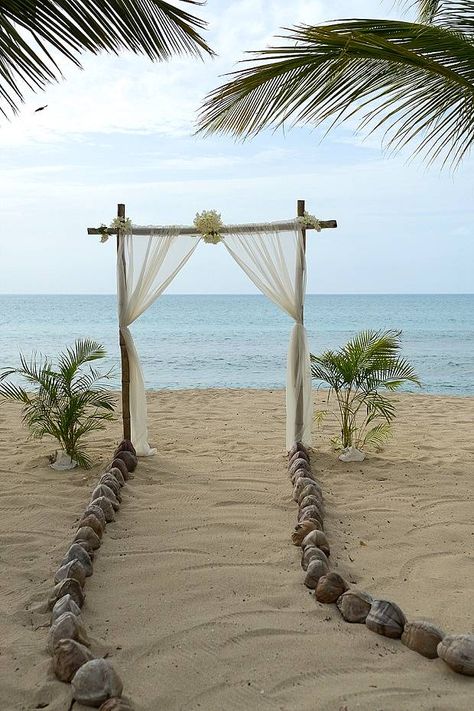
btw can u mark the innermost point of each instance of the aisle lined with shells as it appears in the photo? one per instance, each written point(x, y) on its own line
point(383, 617)
point(94, 681)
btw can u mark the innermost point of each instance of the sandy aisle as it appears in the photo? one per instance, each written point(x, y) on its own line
point(198, 595)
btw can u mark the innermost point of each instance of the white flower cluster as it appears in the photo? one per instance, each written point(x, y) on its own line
point(120, 224)
point(310, 221)
point(208, 223)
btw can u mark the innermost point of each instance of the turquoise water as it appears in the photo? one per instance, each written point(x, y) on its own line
point(241, 341)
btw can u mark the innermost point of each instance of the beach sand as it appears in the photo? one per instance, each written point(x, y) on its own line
point(197, 594)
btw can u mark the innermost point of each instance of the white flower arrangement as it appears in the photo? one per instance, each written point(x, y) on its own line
point(121, 225)
point(310, 221)
point(208, 223)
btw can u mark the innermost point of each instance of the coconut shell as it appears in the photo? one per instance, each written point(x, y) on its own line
point(310, 512)
point(95, 682)
point(103, 490)
point(68, 656)
point(311, 515)
point(330, 587)
point(91, 521)
point(302, 473)
point(73, 569)
point(312, 489)
point(312, 500)
point(457, 650)
point(116, 472)
point(300, 484)
point(113, 484)
point(422, 637)
point(71, 587)
point(316, 538)
point(122, 467)
point(298, 455)
point(130, 460)
point(301, 530)
point(386, 618)
point(64, 604)
point(312, 553)
point(85, 534)
point(354, 605)
point(77, 551)
point(125, 446)
point(96, 511)
point(67, 626)
point(299, 464)
point(107, 508)
point(297, 447)
point(316, 569)
point(87, 547)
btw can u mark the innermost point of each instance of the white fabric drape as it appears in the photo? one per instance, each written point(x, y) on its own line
point(275, 262)
point(146, 265)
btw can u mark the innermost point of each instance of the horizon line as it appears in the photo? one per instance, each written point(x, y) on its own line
point(326, 293)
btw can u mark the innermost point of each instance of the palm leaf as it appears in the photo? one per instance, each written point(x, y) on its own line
point(32, 32)
point(320, 416)
point(83, 351)
point(414, 81)
point(377, 436)
point(454, 14)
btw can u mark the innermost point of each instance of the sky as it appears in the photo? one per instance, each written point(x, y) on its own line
point(121, 130)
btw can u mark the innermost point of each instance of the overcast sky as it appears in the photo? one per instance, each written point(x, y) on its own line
point(121, 131)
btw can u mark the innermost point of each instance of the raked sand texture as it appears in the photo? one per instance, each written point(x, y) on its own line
point(197, 594)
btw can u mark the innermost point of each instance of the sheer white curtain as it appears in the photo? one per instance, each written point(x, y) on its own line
point(275, 262)
point(146, 265)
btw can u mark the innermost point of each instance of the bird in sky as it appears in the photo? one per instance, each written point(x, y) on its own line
point(41, 108)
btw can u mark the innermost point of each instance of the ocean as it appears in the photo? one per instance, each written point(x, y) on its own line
point(206, 341)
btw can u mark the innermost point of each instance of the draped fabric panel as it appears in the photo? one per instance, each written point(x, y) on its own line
point(146, 265)
point(275, 261)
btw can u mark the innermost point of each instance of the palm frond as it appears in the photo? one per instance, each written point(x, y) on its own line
point(377, 436)
point(10, 391)
point(414, 81)
point(453, 14)
point(83, 351)
point(390, 373)
point(379, 406)
point(320, 416)
point(31, 32)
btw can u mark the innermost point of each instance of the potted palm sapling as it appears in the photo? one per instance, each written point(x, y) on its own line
point(356, 374)
point(65, 401)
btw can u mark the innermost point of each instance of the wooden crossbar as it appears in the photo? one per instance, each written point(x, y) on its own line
point(139, 230)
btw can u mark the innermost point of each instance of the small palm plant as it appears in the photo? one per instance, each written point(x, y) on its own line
point(66, 402)
point(356, 373)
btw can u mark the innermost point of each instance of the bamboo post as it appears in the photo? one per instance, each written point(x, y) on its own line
point(125, 365)
point(299, 413)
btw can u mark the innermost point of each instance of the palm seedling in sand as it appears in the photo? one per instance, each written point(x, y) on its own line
point(66, 402)
point(356, 373)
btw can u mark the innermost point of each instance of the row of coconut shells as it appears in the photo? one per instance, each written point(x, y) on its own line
point(381, 616)
point(94, 681)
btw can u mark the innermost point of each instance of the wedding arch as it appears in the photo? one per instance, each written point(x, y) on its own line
point(273, 255)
